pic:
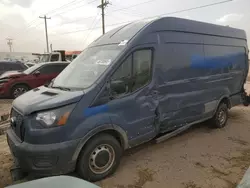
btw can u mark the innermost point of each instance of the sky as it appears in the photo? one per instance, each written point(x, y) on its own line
point(76, 23)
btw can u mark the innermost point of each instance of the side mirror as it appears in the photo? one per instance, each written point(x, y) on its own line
point(37, 73)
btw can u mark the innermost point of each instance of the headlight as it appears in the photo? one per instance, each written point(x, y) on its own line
point(56, 117)
point(2, 82)
point(48, 118)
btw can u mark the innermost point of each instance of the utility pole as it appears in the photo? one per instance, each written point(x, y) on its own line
point(51, 47)
point(104, 4)
point(10, 43)
point(46, 30)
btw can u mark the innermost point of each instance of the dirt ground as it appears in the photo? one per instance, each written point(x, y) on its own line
point(199, 158)
point(5, 105)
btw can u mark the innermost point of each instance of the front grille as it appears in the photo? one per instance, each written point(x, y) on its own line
point(17, 123)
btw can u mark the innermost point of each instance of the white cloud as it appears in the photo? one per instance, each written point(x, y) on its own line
point(229, 18)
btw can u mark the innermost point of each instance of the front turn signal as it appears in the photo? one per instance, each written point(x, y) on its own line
point(63, 119)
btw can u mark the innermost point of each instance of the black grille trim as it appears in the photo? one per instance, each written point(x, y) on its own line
point(18, 126)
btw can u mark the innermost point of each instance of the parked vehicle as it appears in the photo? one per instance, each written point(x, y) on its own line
point(11, 65)
point(71, 55)
point(55, 182)
point(131, 85)
point(14, 83)
point(29, 64)
point(57, 55)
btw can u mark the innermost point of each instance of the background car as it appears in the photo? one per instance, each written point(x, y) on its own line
point(11, 65)
point(29, 64)
point(15, 83)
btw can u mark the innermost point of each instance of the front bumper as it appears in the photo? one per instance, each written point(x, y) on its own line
point(2, 92)
point(50, 159)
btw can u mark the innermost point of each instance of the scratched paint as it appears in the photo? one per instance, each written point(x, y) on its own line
point(214, 62)
point(95, 110)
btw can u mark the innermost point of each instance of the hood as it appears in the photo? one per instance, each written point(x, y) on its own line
point(56, 181)
point(44, 98)
point(11, 74)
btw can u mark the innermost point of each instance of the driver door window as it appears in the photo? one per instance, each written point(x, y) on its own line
point(133, 74)
point(142, 61)
point(119, 83)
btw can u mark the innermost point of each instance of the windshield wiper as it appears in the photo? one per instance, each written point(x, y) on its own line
point(61, 88)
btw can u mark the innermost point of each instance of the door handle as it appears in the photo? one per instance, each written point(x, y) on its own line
point(155, 92)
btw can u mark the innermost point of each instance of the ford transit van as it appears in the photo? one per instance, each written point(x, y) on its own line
point(134, 83)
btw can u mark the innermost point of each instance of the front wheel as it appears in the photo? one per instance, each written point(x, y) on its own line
point(19, 90)
point(100, 158)
point(221, 116)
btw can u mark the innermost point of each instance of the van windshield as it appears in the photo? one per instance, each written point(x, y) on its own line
point(83, 71)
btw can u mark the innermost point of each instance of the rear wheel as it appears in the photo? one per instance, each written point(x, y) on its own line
point(221, 116)
point(18, 90)
point(100, 158)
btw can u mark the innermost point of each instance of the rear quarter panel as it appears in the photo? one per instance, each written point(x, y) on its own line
point(195, 73)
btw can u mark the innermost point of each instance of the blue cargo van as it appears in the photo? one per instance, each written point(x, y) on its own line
point(134, 83)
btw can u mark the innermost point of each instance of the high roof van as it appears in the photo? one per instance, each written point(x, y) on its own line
point(134, 83)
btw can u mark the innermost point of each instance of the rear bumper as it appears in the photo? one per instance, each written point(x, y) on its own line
point(51, 159)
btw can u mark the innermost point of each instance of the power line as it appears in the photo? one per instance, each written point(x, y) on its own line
point(135, 5)
point(131, 13)
point(120, 9)
point(169, 13)
point(77, 20)
point(33, 21)
point(28, 28)
point(194, 8)
point(73, 8)
point(92, 26)
point(62, 6)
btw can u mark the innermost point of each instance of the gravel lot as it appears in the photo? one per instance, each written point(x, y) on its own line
point(5, 105)
point(199, 158)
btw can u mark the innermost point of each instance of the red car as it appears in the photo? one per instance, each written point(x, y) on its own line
point(15, 83)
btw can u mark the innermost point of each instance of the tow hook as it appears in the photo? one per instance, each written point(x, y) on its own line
point(17, 174)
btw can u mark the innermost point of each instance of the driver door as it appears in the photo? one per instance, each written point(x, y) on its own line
point(134, 97)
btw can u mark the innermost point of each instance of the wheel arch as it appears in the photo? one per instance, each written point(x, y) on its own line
point(10, 92)
point(227, 101)
point(113, 130)
point(223, 99)
point(20, 83)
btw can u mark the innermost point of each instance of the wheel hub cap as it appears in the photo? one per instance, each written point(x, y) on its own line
point(19, 91)
point(222, 117)
point(101, 159)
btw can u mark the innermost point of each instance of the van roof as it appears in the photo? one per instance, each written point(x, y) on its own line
point(119, 34)
point(191, 26)
point(128, 31)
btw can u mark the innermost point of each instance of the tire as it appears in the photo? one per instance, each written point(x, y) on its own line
point(18, 90)
point(100, 150)
point(221, 116)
